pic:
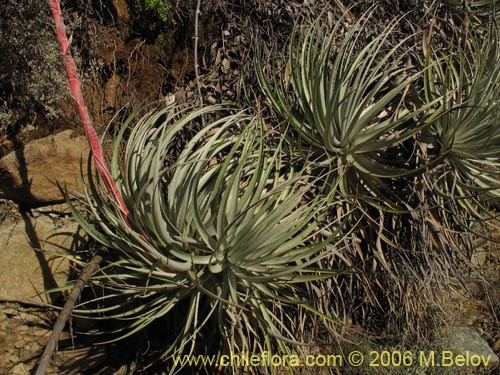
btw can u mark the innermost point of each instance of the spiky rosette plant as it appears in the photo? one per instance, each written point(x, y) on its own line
point(226, 232)
point(480, 12)
point(346, 103)
point(349, 103)
point(464, 133)
point(354, 108)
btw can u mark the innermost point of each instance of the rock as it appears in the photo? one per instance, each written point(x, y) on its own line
point(21, 348)
point(111, 91)
point(457, 343)
point(121, 9)
point(20, 369)
point(29, 271)
point(61, 209)
point(3, 337)
point(28, 174)
point(19, 343)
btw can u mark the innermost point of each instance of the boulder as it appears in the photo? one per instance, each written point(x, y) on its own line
point(463, 351)
point(28, 175)
point(30, 257)
point(122, 11)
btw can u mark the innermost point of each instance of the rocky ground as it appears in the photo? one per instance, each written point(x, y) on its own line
point(125, 64)
point(38, 239)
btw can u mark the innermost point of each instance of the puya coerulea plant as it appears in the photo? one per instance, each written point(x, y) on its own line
point(463, 136)
point(345, 102)
point(479, 13)
point(226, 232)
point(355, 109)
point(348, 102)
point(465, 129)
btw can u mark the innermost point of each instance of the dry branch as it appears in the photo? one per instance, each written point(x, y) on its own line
point(87, 272)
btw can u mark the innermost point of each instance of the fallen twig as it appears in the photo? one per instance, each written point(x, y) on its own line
point(87, 272)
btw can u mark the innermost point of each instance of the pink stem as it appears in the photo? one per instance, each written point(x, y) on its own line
point(74, 83)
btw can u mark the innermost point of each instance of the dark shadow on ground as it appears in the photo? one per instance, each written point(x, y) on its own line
point(49, 281)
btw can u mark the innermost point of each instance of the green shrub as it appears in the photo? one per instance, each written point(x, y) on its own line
point(160, 8)
point(30, 64)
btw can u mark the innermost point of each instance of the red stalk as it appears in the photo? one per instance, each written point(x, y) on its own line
point(83, 112)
